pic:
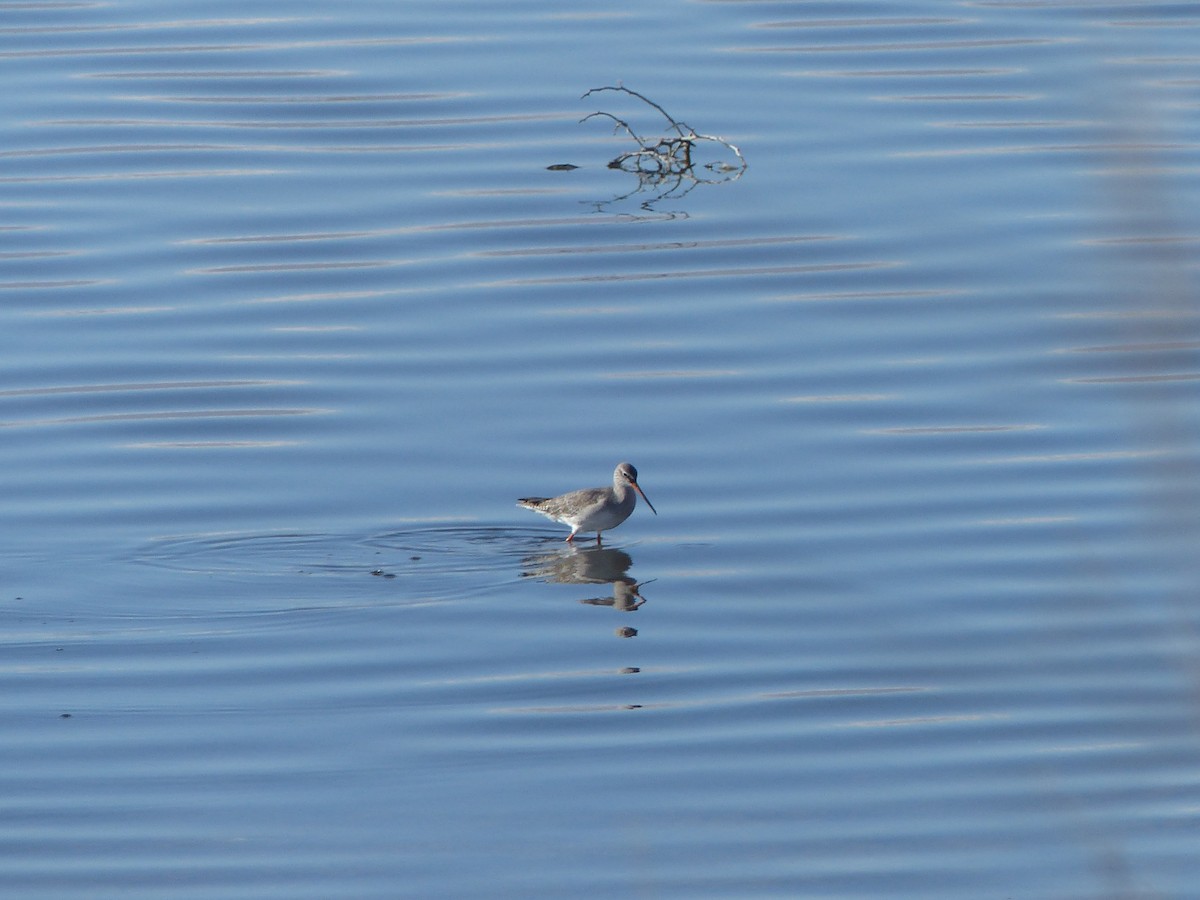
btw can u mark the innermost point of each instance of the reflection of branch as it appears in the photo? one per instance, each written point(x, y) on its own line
point(667, 159)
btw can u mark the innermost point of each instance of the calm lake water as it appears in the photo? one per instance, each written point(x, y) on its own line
point(297, 298)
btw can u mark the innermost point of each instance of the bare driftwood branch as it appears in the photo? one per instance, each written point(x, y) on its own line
point(666, 164)
point(621, 123)
point(679, 128)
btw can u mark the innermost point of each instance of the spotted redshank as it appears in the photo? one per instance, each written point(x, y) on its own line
point(593, 509)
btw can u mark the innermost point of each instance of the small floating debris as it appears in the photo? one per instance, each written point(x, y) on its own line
point(674, 164)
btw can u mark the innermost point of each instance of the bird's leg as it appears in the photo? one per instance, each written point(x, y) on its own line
point(597, 538)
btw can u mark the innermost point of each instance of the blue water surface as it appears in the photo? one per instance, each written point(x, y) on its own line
point(296, 301)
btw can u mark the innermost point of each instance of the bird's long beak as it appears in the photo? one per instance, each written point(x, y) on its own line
point(644, 497)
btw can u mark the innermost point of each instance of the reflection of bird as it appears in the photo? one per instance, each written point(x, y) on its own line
point(574, 565)
point(625, 596)
point(593, 509)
